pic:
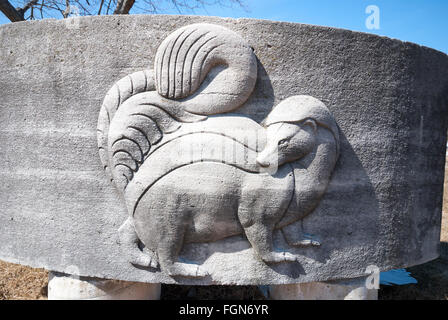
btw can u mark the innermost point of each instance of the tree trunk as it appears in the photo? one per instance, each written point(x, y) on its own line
point(123, 6)
point(10, 12)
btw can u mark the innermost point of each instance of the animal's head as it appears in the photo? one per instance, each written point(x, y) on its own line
point(292, 130)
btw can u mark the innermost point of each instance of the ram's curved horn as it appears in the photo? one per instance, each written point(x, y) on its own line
point(188, 55)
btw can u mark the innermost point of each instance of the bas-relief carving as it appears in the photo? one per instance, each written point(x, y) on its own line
point(190, 171)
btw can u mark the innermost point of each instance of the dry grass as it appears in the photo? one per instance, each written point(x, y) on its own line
point(432, 277)
point(432, 283)
point(23, 283)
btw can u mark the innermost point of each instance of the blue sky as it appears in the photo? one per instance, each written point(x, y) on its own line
point(419, 21)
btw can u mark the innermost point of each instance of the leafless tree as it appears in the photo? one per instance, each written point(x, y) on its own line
point(20, 10)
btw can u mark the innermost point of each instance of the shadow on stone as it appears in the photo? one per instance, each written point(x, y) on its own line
point(262, 99)
point(444, 250)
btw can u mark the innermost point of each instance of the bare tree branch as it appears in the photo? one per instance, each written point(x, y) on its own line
point(28, 5)
point(101, 7)
point(108, 7)
point(124, 6)
point(41, 9)
point(10, 12)
point(65, 8)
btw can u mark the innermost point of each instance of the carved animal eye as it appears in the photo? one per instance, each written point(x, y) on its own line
point(283, 142)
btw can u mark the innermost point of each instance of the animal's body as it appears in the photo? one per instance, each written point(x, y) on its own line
point(207, 201)
point(217, 201)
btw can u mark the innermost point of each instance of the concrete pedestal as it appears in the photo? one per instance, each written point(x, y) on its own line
point(354, 289)
point(67, 287)
point(384, 120)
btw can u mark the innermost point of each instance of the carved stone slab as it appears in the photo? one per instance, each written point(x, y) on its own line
point(203, 150)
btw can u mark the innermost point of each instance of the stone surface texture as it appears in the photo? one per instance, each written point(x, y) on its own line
point(354, 289)
point(382, 186)
point(66, 287)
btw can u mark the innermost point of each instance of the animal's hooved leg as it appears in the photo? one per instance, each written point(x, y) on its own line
point(145, 258)
point(306, 243)
point(128, 240)
point(275, 257)
point(187, 270)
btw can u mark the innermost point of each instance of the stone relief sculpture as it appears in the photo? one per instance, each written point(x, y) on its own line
point(190, 171)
